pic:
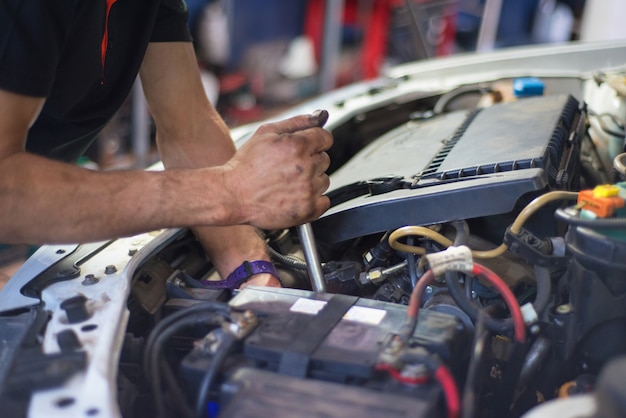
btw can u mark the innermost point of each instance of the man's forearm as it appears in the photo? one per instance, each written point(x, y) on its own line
point(190, 134)
point(44, 201)
point(210, 145)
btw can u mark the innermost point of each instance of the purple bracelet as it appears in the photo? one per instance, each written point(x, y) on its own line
point(242, 273)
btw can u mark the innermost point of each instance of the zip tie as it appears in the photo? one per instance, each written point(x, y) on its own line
point(452, 259)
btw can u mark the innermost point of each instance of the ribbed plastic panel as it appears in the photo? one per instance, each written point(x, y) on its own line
point(458, 166)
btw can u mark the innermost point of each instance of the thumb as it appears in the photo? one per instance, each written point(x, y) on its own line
point(316, 119)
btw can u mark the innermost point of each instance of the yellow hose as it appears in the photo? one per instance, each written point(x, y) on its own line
point(516, 227)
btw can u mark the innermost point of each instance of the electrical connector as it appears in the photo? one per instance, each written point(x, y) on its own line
point(605, 190)
point(602, 201)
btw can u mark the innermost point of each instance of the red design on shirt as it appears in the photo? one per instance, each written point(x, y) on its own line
point(105, 36)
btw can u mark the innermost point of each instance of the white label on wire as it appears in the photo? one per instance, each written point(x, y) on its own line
point(453, 259)
point(365, 315)
point(307, 306)
point(529, 314)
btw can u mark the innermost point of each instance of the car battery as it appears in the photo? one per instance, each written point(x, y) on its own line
point(335, 337)
point(327, 336)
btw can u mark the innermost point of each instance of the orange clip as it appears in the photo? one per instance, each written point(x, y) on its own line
point(603, 207)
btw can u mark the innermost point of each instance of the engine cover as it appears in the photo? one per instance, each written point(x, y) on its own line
point(456, 166)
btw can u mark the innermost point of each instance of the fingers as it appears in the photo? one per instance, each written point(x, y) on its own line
point(320, 117)
point(321, 205)
point(306, 125)
point(321, 162)
point(320, 185)
point(316, 119)
point(292, 155)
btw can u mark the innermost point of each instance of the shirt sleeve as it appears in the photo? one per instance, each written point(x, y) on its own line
point(31, 39)
point(171, 24)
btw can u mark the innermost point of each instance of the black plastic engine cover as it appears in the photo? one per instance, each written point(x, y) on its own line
point(457, 166)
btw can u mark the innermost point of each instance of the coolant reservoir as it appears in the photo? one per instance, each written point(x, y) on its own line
point(606, 97)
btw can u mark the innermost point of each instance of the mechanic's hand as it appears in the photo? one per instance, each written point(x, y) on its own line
point(278, 177)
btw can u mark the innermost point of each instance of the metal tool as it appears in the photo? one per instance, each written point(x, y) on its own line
point(307, 239)
point(313, 264)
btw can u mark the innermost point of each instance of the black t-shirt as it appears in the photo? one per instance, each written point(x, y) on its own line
point(83, 56)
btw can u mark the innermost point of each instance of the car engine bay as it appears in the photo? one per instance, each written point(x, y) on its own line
point(473, 264)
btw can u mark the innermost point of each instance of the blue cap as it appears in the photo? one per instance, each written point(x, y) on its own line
point(527, 86)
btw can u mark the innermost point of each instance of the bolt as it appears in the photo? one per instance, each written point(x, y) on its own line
point(132, 252)
point(90, 279)
point(429, 290)
point(75, 308)
point(564, 309)
point(534, 329)
point(110, 269)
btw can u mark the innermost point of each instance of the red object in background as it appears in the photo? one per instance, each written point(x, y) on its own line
point(446, 38)
point(376, 30)
point(314, 25)
point(375, 42)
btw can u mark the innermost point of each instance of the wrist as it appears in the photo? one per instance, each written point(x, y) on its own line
point(245, 271)
point(234, 204)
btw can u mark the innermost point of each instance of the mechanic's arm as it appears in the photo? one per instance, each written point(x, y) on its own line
point(191, 134)
point(44, 201)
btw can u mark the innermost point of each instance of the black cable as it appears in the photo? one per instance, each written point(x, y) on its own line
point(286, 260)
point(469, 286)
point(542, 276)
point(473, 385)
point(501, 326)
point(599, 223)
point(504, 391)
point(192, 316)
point(410, 259)
point(216, 307)
point(544, 289)
point(460, 238)
point(225, 344)
point(154, 356)
point(462, 232)
point(180, 400)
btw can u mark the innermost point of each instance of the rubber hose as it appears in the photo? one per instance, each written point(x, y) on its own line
point(286, 260)
point(602, 223)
